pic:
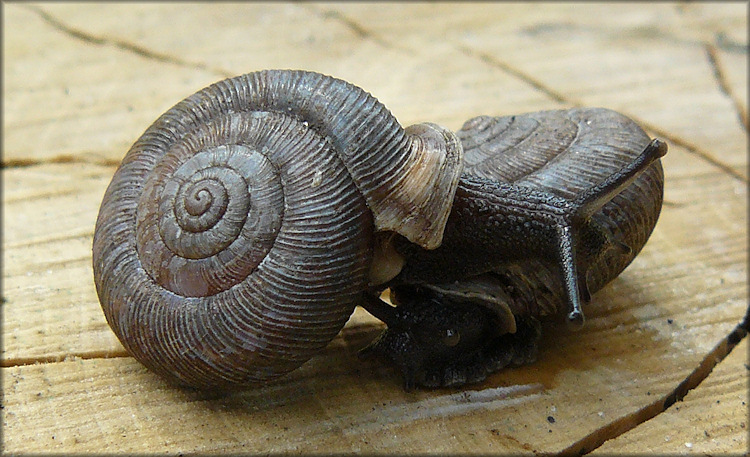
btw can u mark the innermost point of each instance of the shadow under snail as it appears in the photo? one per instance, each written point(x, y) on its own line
point(243, 227)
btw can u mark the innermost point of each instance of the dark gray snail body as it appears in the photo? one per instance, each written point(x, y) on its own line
point(485, 284)
point(244, 226)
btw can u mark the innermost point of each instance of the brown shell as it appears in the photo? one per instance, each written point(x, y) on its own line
point(565, 152)
point(237, 234)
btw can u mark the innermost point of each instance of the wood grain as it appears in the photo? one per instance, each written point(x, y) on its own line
point(82, 81)
point(711, 419)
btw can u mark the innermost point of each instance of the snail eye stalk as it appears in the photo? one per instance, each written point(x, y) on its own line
point(380, 309)
point(589, 202)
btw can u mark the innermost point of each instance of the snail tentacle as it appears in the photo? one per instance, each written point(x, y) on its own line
point(527, 237)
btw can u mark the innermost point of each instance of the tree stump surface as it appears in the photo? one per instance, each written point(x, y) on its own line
point(660, 366)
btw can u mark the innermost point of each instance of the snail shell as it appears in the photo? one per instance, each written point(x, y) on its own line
point(237, 233)
point(566, 152)
point(552, 205)
point(246, 223)
point(562, 153)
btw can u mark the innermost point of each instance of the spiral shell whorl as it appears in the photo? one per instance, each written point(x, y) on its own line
point(222, 237)
point(407, 178)
point(235, 237)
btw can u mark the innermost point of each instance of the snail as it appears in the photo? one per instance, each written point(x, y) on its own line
point(471, 306)
point(244, 226)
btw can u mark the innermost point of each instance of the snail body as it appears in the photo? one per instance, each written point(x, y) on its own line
point(529, 182)
point(244, 226)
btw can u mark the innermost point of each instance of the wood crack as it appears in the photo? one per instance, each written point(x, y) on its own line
point(536, 84)
point(353, 26)
point(561, 98)
point(364, 33)
point(49, 240)
point(629, 422)
point(714, 61)
point(24, 361)
point(123, 45)
point(691, 148)
point(62, 159)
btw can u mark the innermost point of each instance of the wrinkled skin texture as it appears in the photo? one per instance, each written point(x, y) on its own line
point(436, 341)
point(544, 241)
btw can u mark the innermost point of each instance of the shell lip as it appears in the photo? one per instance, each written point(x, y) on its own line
point(419, 205)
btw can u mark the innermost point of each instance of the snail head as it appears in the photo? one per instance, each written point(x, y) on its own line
point(430, 336)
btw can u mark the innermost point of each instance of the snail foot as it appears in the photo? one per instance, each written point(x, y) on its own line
point(523, 345)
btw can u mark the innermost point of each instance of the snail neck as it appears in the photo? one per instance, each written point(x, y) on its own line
point(491, 224)
point(495, 223)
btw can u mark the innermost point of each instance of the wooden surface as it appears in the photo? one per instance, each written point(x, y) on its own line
point(82, 82)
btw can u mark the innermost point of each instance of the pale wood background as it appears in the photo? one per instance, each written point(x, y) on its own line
point(82, 82)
